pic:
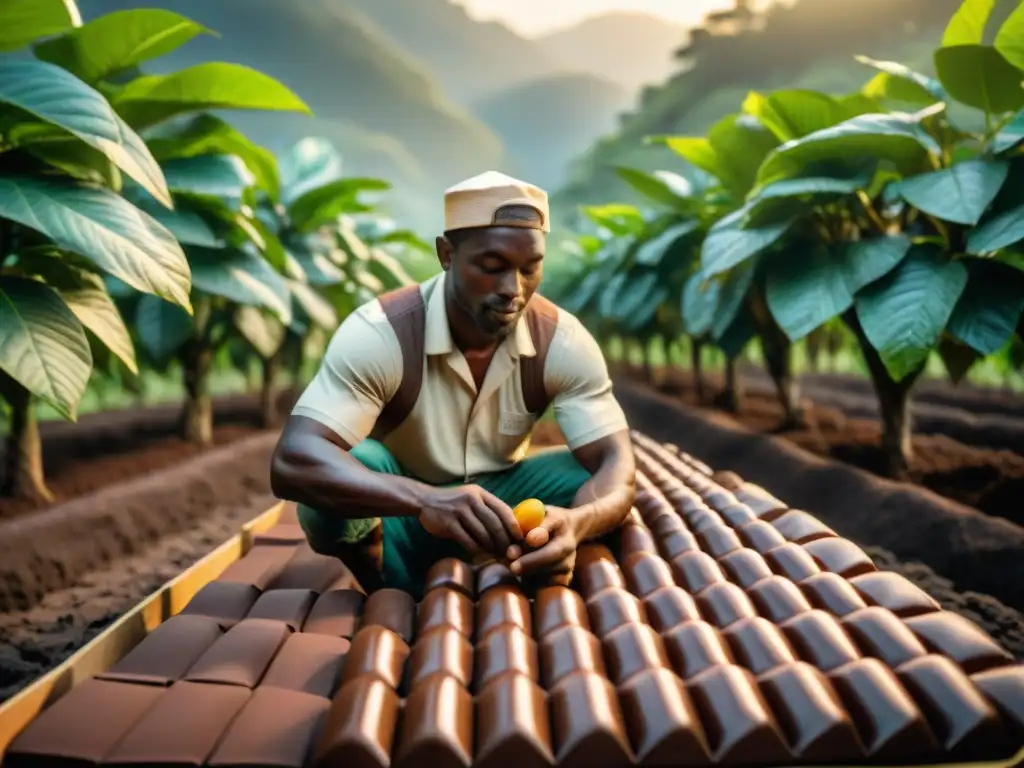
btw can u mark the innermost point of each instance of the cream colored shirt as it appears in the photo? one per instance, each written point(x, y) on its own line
point(455, 432)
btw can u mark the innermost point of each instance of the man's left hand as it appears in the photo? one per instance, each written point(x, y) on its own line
point(551, 548)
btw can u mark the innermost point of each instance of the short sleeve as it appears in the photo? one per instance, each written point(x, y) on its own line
point(577, 375)
point(359, 373)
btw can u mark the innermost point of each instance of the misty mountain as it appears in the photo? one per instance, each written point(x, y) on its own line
point(545, 121)
point(631, 49)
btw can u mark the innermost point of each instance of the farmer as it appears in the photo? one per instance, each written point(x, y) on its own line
point(410, 444)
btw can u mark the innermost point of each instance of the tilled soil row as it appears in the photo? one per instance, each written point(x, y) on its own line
point(976, 552)
point(36, 640)
point(102, 449)
point(51, 549)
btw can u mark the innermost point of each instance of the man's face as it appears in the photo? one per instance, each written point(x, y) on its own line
point(493, 274)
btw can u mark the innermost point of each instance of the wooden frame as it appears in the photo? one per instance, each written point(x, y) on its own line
point(113, 643)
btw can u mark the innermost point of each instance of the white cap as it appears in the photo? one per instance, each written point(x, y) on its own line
point(479, 202)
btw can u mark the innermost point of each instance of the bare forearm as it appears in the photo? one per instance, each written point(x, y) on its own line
point(331, 481)
point(603, 502)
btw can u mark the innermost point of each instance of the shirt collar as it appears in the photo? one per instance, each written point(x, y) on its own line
point(437, 338)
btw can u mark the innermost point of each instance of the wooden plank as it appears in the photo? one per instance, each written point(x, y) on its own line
point(113, 643)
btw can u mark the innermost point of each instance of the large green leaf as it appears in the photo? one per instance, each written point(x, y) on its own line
point(870, 259)
point(1011, 134)
point(318, 269)
point(807, 288)
point(104, 227)
point(188, 227)
point(979, 76)
point(115, 41)
point(314, 306)
point(741, 330)
point(1010, 38)
point(152, 99)
point(696, 150)
point(960, 193)
point(162, 328)
point(968, 23)
point(647, 311)
point(616, 218)
point(699, 303)
point(904, 314)
point(729, 243)
point(240, 276)
point(95, 310)
point(264, 332)
point(732, 299)
point(311, 162)
point(793, 114)
point(898, 82)
point(61, 99)
point(630, 293)
point(741, 145)
point(209, 135)
point(814, 189)
point(224, 177)
point(669, 189)
point(652, 252)
point(85, 293)
point(997, 233)
point(896, 138)
point(990, 307)
point(43, 345)
point(323, 204)
point(388, 269)
point(957, 358)
point(77, 159)
point(22, 21)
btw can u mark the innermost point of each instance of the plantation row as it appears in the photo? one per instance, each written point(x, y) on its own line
point(138, 231)
point(893, 216)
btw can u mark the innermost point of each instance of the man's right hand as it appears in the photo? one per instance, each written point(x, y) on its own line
point(475, 518)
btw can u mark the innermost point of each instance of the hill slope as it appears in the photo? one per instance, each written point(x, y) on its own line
point(470, 59)
point(631, 49)
point(808, 45)
point(368, 97)
point(547, 121)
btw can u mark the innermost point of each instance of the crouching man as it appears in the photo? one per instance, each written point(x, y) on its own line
point(411, 443)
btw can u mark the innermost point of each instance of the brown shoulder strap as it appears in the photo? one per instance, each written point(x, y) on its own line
point(407, 314)
point(542, 320)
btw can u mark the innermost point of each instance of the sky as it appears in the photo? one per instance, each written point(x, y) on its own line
point(531, 18)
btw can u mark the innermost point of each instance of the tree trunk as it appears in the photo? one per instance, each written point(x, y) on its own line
point(777, 348)
point(893, 406)
point(23, 475)
point(696, 347)
point(813, 346)
point(197, 420)
point(732, 395)
point(268, 401)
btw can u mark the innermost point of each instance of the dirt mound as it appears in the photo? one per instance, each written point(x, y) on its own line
point(987, 479)
point(53, 548)
point(107, 448)
point(36, 640)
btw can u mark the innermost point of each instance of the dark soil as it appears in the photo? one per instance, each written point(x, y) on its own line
point(52, 549)
point(36, 640)
point(975, 399)
point(106, 448)
point(990, 480)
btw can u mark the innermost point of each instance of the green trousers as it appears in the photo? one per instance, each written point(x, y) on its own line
point(553, 476)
